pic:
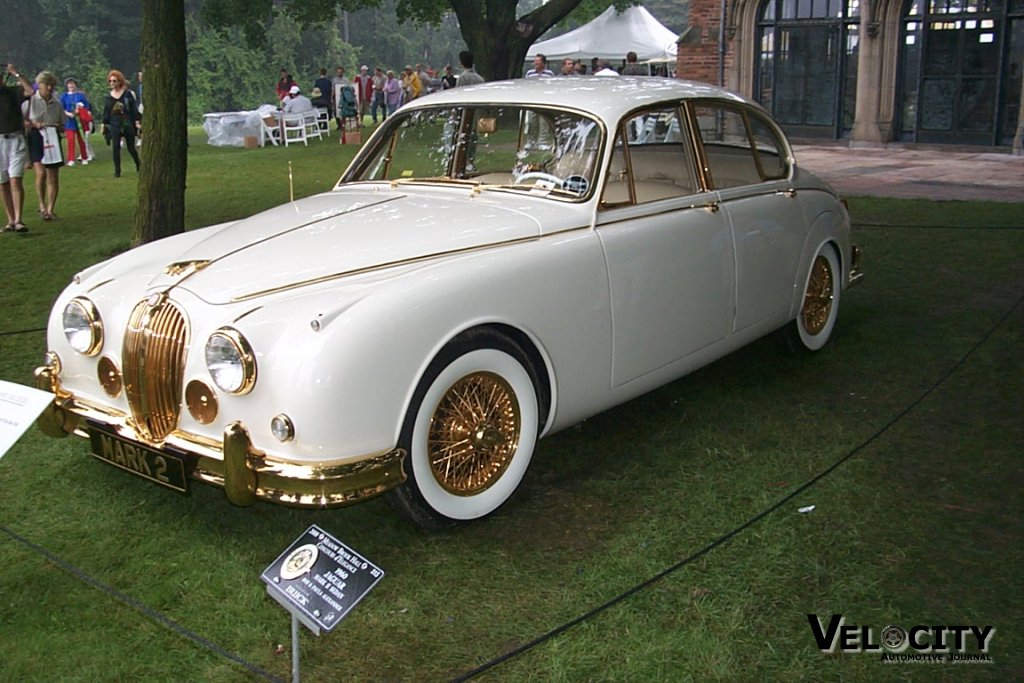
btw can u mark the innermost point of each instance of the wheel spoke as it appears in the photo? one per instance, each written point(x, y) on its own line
point(473, 433)
point(818, 298)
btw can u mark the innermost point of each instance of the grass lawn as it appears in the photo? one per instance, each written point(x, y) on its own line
point(104, 577)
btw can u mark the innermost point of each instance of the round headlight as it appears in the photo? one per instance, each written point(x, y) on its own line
point(230, 361)
point(82, 326)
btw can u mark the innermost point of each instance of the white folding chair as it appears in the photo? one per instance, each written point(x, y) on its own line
point(312, 121)
point(323, 120)
point(293, 128)
point(646, 134)
point(269, 133)
point(672, 134)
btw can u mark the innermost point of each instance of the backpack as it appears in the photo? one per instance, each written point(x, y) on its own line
point(347, 101)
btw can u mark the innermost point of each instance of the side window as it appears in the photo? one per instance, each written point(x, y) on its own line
point(727, 146)
point(651, 160)
point(770, 148)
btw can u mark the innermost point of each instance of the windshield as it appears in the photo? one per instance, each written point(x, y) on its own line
point(504, 147)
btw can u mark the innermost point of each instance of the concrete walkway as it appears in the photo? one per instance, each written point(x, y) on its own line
point(916, 173)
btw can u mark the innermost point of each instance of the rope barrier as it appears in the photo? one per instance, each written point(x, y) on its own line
point(725, 538)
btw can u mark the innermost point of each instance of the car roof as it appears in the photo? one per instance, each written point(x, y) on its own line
point(608, 97)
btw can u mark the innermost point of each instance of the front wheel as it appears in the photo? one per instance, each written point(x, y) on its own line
point(469, 434)
point(817, 317)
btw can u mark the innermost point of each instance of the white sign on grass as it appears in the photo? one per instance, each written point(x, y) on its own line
point(19, 408)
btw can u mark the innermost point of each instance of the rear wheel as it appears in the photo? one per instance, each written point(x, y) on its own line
point(817, 317)
point(469, 434)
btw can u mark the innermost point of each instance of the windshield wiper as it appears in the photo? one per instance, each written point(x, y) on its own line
point(446, 180)
point(529, 189)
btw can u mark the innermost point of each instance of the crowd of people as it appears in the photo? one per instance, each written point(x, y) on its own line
point(598, 67)
point(378, 94)
point(32, 114)
point(373, 96)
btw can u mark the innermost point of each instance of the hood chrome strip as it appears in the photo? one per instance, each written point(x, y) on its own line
point(382, 266)
point(248, 245)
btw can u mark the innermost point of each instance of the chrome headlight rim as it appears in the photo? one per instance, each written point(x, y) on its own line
point(245, 358)
point(90, 318)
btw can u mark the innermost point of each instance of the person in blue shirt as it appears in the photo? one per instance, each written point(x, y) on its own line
point(74, 102)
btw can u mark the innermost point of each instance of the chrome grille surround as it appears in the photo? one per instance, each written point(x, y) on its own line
point(153, 359)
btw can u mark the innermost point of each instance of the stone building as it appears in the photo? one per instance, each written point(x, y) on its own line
point(868, 71)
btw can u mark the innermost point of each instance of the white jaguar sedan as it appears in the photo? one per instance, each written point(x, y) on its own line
point(498, 262)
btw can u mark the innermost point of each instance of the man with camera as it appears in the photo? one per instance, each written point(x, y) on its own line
point(12, 147)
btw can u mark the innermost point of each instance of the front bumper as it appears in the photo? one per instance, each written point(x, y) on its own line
point(245, 473)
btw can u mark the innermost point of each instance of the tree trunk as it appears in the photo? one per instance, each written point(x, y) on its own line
point(161, 207)
point(499, 41)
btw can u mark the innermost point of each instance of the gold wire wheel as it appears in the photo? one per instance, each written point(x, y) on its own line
point(818, 298)
point(474, 432)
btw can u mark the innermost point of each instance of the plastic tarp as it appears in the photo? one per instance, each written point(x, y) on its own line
point(610, 36)
point(230, 128)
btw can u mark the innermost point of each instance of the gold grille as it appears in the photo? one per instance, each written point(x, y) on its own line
point(154, 363)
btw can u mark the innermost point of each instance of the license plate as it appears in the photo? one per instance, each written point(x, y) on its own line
point(159, 467)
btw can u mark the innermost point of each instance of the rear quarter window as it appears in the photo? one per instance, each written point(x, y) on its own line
point(740, 147)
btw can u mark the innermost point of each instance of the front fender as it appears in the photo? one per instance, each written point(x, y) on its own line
point(348, 380)
point(828, 222)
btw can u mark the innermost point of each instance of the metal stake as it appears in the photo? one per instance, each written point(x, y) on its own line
point(295, 649)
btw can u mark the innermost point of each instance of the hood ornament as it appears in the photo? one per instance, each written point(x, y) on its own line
point(184, 268)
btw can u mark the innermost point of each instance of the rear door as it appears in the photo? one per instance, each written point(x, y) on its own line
point(747, 163)
point(668, 248)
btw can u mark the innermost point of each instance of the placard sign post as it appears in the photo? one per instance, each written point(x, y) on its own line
point(318, 579)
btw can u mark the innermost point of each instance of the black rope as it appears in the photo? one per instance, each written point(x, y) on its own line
point(11, 333)
point(865, 224)
point(141, 607)
point(558, 630)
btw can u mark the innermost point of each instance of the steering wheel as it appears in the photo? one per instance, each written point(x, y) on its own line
point(538, 175)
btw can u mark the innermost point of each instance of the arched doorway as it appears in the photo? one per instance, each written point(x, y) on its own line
point(961, 64)
point(806, 64)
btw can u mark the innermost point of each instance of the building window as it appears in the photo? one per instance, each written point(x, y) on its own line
point(961, 70)
point(807, 64)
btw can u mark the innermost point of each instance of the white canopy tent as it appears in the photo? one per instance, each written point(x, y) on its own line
point(611, 35)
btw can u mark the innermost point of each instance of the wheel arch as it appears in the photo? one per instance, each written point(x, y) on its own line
point(827, 229)
point(538, 363)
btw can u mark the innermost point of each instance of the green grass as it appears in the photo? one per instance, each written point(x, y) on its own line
point(922, 525)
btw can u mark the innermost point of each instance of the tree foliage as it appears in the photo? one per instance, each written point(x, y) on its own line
point(494, 30)
point(117, 23)
point(228, 70)
point(383, 40)
point(224, 74)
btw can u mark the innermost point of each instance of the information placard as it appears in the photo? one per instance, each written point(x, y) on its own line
point(19, 407)
point(320, 579)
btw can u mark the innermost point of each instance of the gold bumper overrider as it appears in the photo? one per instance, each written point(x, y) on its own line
point(245, 474)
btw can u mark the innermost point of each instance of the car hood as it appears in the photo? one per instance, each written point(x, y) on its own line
point(352, 230)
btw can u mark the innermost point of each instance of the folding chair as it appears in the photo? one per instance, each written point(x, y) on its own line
point(293, 128)
point(323, 120)
point(312, 121)
point(269, 133)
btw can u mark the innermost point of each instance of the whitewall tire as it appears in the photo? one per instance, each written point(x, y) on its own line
point(469, 435)
point(820, 305)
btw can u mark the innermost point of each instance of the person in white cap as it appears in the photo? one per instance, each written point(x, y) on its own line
point(296, 102)
point(364, 91)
